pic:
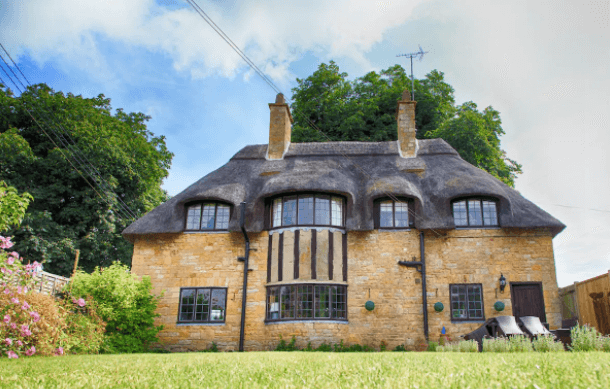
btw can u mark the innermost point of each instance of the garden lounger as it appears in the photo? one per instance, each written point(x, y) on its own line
point(479, 334)
point(504, 326)
point(533, 326)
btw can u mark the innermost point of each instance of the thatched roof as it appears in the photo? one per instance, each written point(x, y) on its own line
point(360, 171)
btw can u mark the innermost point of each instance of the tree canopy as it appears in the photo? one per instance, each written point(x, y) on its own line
point(365, 110)
point(45, 136)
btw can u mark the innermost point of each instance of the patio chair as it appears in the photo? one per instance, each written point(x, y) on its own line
point(533, 327)
point(504, 326)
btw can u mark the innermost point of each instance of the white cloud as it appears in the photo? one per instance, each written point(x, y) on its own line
point(272, 33)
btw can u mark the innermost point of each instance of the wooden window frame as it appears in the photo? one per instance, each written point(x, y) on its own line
point(296, 196)
point(209, 321)
point(480, 200)
point(276, 290)
point(201, 204)
point(466, 319)
point(377, 213)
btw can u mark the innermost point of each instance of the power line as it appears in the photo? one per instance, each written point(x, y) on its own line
point(226, 38)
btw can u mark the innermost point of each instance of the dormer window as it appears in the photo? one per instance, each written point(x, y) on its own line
point(208, 216)
point(475, 213)
point(393, 214)
point(307, 210)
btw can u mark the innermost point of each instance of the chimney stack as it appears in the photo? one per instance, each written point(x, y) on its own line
point(279, 128)
point(405, 117)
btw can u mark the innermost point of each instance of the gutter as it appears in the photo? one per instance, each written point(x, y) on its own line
point(421, 265)
point(244, 259)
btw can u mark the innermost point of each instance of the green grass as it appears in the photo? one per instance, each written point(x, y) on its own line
point(313, 370)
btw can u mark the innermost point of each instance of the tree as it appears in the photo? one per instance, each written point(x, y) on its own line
point(364, 110)
point(41, 153)
point(12, 206)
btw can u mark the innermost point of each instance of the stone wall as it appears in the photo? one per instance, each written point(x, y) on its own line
point(456, 256)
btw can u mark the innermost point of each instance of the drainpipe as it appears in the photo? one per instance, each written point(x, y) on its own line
point(421, 265)
point(242, 223)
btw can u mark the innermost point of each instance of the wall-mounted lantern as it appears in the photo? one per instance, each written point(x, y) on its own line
point(502, 283)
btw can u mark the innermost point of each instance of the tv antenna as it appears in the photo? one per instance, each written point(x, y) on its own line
point(419, 54)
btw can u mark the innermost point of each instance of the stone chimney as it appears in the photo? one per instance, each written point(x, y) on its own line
point(279, 128)
point(405, 117)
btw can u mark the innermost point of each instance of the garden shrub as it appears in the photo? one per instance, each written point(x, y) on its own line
point(519, 343)
point(400, 347)
point(432, 346)
point(547, 344)
point(125, 303)
point(464, 346)
point(283, 346)
point(495, 345)
point(584, 338)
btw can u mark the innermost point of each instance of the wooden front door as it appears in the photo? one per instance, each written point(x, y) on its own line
point(527, 299)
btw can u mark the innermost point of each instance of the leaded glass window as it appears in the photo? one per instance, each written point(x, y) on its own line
point(307, 210)
point(475, 213)
point(466, 302)
point(394, 214)
point(202, 305)
point(307, 302)
point(208, 216)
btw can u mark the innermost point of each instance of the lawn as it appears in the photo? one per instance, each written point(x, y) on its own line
point(313, 370)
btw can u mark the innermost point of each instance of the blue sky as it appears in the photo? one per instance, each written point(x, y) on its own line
point(542, 64)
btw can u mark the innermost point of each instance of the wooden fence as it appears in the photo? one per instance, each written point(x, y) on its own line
point(49, 283)
point(588, 302)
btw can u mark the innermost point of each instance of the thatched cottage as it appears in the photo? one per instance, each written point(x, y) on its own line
point(353, 241)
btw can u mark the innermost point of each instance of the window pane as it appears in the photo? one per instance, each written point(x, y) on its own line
point(322, 301)
point(277, 212)
point(402, 215)
point(490, 218)
point(273, 304)
point(290, 211)
point(207, 220)
point(339, 302)
point(202, 309)
point(187, 304)
point(337, 211)
point(287, 302)
point(193, 217)
point(474, 213)
point(304, 301)
point(305, 210)
point(459, 213)
point(458, 302)
point(219, 297)
point(385, 214)
point(475, 305)
point(322, 210)
point(222, 217)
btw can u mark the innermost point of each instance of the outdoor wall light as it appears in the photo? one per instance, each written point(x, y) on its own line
point(502, 283)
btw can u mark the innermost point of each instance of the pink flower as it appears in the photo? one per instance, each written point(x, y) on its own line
point(59, 351)
point(25, 327)
point(7, 291)
point(19, 343)
point(10, 260)
point(7, 319)
point(13, 326)
point(8, 341)
point(26, 333)
point(25, 306)
point(12, 354)
point(15, 300)
point(6, 271)
point(81, 302)
point(5, 243)
point(31, 351)
point(19, 290)
point(35, 316)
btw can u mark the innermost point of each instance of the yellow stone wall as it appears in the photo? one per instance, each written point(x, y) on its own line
point(456, 256)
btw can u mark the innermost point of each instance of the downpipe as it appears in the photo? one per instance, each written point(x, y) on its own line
point(244, 259)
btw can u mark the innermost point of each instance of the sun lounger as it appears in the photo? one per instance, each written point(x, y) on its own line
point(504, 326)
point(479, 334)
point(533, 326)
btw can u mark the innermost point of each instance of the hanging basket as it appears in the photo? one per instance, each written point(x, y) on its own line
point(438, 307)
point(499, 306)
